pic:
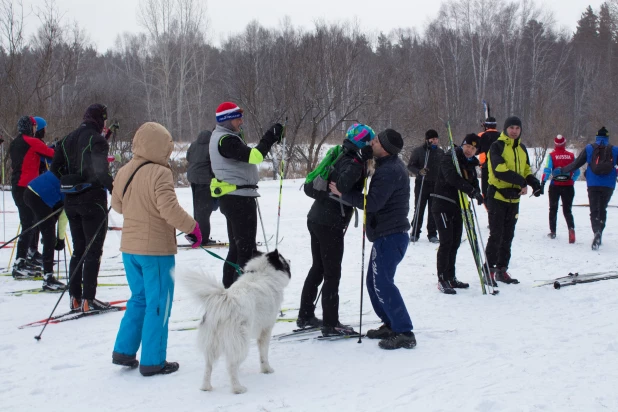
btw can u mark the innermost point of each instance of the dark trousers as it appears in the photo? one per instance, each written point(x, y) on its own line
point(327, 253)
point(425, 200)
point(202, 209)
point(502, 220)
point(241, 215)
point(484, 179)
point(566, 193)
point(26, 218)
point(598, 197)
point(450, 227)
point(47, 228)
point(84, 220)
point(386, 299)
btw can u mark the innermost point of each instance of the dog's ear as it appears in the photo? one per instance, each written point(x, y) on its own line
point(279, 262)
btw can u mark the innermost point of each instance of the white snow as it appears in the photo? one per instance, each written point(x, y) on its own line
point(527, 349)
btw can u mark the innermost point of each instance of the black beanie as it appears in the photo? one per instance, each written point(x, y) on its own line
point(430, 134)
point(391, 141)
point(471, 139)
point(97, 114)
point(512, 121)
point(490, 122)
point(603, 132)
point(24, 125)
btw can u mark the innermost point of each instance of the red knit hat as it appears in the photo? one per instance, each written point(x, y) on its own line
point(228, 111)
point(559, 141)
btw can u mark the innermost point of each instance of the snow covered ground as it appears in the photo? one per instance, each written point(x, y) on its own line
point(528, 349)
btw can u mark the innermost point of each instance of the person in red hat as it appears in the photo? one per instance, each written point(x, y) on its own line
point(560, 187)
point(234, 165)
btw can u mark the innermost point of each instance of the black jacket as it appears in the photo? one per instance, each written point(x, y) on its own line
point(84, 152)
point(198, 156)
point(348, 173)
point(388, 199)
point(449, 182)
point(417, 161)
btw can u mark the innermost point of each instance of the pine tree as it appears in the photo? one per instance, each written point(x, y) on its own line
point(587, 32)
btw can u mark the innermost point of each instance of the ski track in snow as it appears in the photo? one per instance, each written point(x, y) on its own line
point(528, 349)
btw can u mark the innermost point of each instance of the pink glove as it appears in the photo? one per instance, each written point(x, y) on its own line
point(195, 237)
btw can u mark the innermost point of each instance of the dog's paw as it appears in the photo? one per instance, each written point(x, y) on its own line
point(239, 389)
point(206, 387)
point(266, 369)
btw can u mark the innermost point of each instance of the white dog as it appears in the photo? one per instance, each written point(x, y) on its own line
point(231, 317)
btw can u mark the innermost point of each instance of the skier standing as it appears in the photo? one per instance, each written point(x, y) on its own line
point(387, 207)
point(489, 135)
point(199, 174)
point(447, 210)
point(561, 187)
point(327, 222)
point(426, 176)
point(509, 178)
point(600, 178)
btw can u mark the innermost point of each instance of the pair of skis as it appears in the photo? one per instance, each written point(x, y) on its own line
point(576, 278)
point(116, 306)
point(468, 215)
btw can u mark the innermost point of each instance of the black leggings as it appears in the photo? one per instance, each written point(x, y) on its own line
point(202, 209)
point(241, 215)
point(47, 228)
point(450, 227)
point(567, 193)
point(327, 253)
point(84, 220)
point(26, 218)
point(598, 198)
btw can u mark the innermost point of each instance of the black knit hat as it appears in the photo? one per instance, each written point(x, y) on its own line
point(490, 122)
point(24, 125)
point(430, 134)
point(471, 139)
point(512, 121)
point(391, 141)
point(603, 132)
point(96, 114)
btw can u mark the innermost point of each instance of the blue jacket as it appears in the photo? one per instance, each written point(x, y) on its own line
point(388, 199)
point(47, 186)
point(585, 156)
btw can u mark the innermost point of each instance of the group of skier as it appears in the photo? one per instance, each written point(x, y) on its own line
point(223, 173)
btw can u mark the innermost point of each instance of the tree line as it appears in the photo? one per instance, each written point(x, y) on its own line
point(318, 81)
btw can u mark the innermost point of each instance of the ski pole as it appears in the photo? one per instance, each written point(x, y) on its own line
point(77, 269)
point(13, 247)
point(262, 223)
point(32, 227)
point(281, 171)
point(360, 324)
point(420, 197)
point(3, 204)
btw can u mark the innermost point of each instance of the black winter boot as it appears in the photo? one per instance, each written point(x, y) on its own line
point(382, 332)
point(399, 340)
point(456, 284)
point(445, 287)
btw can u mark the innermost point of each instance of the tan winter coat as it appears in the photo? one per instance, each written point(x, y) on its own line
point(150, 207)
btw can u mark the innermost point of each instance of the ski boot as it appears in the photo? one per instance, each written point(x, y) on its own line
point(596, 242)
point(308, 323)
point(75, 304)
point(21, 270)
point(51, 283)
point(445, 287)
point(551, 235)
point(405, 340)
point(339, 330)
point(456, 284)
point(434, 239)
point(89, 305)
point(503, 276)
point(571, 235)
point(35, 258)
point(491, 279)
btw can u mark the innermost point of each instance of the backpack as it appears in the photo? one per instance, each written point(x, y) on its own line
point(602, 159)
point(319, 176)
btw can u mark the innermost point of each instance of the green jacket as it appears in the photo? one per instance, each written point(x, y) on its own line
point(509, 169)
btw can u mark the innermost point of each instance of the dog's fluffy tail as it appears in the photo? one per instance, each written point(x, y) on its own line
point(202, 286)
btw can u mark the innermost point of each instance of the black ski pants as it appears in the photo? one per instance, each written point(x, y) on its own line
point(484, 179)
point(502, 220)
point(598, 197)
point(47, 228)
point(450, 228)
point(566, 193)
point(241, 215)
point(84, 221)
point(327, 254)
point(202, 208)
point(26, 218)
point(425, 201)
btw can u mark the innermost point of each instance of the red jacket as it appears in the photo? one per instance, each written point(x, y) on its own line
point(26, 152)
point(559, 158)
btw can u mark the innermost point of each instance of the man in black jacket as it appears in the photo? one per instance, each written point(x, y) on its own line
point(199, 174)
point(80, 162)
point(489, 135)
point(424, 164)
point(327, 221)
point(387, 208)
point(447, 211)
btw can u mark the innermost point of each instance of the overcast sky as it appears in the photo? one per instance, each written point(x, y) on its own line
point(103, 20)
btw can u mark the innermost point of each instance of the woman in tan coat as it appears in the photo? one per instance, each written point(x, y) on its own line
point(145, 196)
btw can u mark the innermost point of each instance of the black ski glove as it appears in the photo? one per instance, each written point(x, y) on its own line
point(59, 244)
point(366, 153)
point(273, 134)
point(478, 196)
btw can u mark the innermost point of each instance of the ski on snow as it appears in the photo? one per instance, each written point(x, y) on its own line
point(573, 278)
point(73, 315)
